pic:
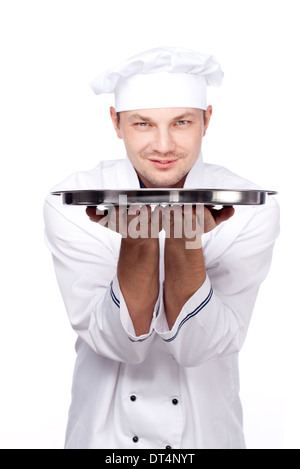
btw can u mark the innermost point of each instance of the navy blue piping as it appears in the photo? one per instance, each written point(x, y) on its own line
point(140, 340)
point(113, 296)
point(117, 302)
point(192, 314)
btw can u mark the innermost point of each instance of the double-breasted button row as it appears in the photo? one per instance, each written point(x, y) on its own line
point(135, 439)
point(133, 398)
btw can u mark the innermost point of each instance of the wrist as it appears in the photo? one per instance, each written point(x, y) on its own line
point(140, 243)
point(184, 244)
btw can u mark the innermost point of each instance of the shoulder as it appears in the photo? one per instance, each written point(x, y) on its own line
point(222, 178)
point(69, 224)
point(256, 224)
point(91, 179)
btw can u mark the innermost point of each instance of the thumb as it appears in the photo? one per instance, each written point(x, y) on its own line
point(223, 214)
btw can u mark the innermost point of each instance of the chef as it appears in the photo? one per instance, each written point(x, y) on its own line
point(159, 326)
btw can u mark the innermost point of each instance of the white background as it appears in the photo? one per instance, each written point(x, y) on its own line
point(52, 124)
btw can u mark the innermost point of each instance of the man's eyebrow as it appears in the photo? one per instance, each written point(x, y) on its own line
point(139, 117)
point(148, 119)
point(184, 116)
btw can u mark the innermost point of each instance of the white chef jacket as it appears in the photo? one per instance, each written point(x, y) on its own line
point(174, 388)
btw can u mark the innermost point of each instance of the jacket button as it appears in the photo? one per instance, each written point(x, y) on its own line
point(168, 447)
point(133, 398)
point(175, 401)
point(135, 439)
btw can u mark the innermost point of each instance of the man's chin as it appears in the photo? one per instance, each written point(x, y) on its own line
point(164, 183)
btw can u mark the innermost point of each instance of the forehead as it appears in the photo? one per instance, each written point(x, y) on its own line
point(160, 114)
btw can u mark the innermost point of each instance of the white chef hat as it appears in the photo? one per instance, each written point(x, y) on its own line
point(160, 78)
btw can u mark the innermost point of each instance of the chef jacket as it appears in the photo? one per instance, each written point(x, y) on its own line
point(175, 388)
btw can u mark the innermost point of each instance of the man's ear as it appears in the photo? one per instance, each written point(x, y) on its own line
point(208, 114)
point(115, 122)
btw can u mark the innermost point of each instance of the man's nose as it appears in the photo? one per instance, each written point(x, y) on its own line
point(163, 142)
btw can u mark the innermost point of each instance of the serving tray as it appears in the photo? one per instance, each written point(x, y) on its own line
point(164, 196)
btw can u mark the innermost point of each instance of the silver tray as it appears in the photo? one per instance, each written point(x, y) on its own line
point(164, 196)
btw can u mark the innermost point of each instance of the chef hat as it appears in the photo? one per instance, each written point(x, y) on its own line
point(160, 78)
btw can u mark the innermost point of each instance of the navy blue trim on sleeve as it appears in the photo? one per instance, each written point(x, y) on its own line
point(140, 340)
point(191, 315)
point(113, 296)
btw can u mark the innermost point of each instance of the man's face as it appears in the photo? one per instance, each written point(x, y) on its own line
point(162, 144)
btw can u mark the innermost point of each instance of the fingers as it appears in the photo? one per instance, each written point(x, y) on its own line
point(174, 219)
point(221, 215)
point(132, 221)
point(91, 213)
point(95, 215)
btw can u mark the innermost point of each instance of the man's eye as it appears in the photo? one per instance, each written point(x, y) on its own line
point(142, 124)
point(182, 122)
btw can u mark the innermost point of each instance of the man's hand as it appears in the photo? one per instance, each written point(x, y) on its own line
point(213, 217)
point(138, 266)
point(132, 223)
point(185, 269)
point(139, 221)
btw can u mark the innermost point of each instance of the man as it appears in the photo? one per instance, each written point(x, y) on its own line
point(159, 325)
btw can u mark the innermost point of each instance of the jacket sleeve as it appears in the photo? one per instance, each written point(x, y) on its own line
point(214, 321)
point(85, 268)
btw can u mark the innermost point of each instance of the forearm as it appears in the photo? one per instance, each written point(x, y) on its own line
point(184, 274)
point(138, 276)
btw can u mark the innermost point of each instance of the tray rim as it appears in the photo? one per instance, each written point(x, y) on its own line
point(148, 189)
point(143, 196)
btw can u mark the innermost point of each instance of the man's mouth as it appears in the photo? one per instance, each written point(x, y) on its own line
point(163, 164)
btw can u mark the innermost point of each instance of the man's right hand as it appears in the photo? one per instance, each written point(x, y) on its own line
point(135, 222)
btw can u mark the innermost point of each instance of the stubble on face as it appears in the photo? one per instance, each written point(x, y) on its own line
point(162, 178)
point(149, 163)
